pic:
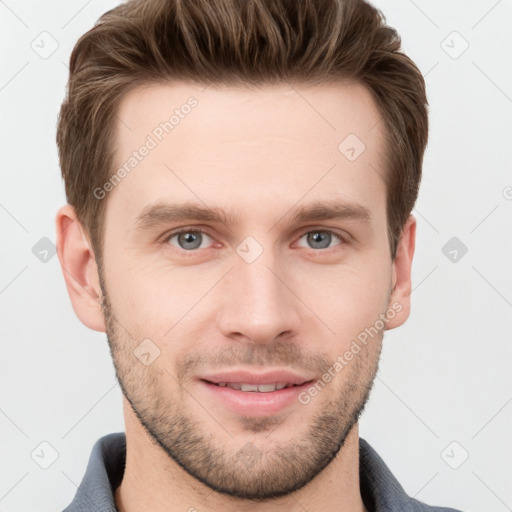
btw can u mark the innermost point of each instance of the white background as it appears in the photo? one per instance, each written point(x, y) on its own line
point(445, 375)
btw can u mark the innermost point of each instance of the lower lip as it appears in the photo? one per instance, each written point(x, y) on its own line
point(254, 403)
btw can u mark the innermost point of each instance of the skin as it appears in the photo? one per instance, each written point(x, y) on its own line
point(299, 305)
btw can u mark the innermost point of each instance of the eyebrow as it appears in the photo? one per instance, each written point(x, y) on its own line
point(159, 213)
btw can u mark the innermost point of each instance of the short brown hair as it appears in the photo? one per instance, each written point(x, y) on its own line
point(236, 42)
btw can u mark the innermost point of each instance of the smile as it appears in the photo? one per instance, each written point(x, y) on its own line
point(259, 388)
point(252, 393)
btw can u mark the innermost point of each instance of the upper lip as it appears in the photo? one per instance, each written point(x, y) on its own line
point(247, 377)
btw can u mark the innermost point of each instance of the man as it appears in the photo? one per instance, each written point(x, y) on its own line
point(240, 178)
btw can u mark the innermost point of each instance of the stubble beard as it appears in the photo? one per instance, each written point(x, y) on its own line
point(257, 470)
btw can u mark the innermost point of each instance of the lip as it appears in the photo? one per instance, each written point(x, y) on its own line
point(251, 403)
point(268, 377)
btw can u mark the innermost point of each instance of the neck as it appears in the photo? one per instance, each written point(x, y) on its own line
point(153, 481)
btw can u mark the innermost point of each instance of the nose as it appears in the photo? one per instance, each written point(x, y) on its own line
point(259, 302)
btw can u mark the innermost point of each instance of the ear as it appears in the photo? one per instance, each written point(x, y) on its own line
point(79, 269)
point(400, 298)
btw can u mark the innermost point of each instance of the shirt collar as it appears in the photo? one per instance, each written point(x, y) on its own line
point(103, 475)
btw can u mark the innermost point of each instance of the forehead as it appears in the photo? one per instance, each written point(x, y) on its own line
point(271, 110)
point(253, 146)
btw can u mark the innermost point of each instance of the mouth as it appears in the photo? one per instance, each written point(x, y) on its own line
point(256, 388)
point(253, 395)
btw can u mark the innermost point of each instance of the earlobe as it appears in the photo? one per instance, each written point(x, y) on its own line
point(400, 298)
point(79, 268)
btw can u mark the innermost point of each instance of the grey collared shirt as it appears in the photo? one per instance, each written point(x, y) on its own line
point(380, 490)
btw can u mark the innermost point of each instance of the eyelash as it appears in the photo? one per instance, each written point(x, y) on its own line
point(342, 240)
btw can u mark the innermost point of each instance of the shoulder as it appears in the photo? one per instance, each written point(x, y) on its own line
point(381, 491)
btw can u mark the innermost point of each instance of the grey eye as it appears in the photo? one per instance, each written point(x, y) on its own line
point(320, 239)
point(189, 239)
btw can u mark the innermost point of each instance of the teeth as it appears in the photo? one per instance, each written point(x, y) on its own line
point(265, 388)
point(261, 388)
point(249, 387)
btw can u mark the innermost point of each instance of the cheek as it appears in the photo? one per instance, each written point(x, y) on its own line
point(347, 298)
point(157, 301)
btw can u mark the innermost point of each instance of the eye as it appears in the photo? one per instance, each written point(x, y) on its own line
point(321, 238)
point(188, 239)
point(191, 239)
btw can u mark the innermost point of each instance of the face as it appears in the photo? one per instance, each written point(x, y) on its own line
point(247, 247)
